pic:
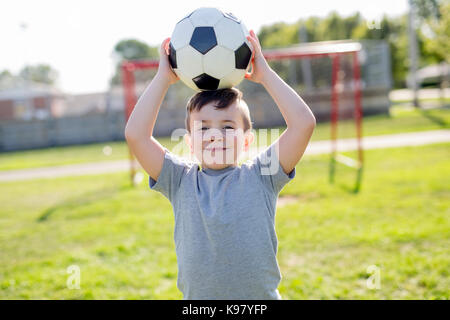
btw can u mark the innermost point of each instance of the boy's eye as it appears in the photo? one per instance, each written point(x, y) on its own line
point(226, 127)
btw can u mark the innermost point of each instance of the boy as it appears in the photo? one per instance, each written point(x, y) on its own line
point(224, 232)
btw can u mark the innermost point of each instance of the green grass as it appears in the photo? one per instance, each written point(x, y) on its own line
point(399, 120)
point(122, 237)
point(444, 100)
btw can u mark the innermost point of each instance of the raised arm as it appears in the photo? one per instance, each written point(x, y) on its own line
point(299, 119)
point(139, 128)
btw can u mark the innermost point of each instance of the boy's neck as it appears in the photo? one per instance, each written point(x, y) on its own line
point(205, 168)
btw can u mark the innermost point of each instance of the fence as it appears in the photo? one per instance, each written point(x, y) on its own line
point(109, 126)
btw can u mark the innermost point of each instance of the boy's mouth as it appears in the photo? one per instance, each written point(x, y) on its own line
point(216, 149)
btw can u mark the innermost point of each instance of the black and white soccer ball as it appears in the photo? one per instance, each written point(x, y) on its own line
point(209, 50)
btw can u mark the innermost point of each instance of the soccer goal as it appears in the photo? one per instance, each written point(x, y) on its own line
point(334, 53)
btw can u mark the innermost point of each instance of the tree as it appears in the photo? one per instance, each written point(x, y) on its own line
point(436, 43)
point(334, 27)
point(7, 79)
point(427, 9)
point(394, 32)
point(132, 49)
point(41, 73)
point(432, 36)
point(279, 35)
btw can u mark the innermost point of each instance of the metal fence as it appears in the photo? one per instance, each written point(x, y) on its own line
point(20, 135)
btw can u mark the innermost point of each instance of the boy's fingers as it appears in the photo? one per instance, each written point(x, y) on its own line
point(253, 42)
point(255, 36)
point(248, 75)
point(166, 45)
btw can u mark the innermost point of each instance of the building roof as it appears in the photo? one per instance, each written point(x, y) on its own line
point(33, 90)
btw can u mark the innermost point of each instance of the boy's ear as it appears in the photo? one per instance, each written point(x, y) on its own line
point(248, 140)
point(188, 140)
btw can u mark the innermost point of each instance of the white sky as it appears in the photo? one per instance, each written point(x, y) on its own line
point(77, 37)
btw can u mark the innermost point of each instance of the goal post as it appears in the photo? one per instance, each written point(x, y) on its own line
point(334, 51)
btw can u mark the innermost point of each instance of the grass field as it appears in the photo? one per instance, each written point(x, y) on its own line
point(122, 238)
point(399, 120)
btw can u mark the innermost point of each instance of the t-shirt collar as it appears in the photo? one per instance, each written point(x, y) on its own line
point(215, 172)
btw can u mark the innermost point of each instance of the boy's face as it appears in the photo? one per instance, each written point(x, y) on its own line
point(217, 136)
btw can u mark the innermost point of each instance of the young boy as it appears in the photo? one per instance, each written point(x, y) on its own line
point(224, 232)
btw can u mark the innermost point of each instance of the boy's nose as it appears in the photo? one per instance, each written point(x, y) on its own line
point(215, 137)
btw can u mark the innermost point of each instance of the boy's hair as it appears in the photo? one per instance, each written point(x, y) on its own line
point(224, 98)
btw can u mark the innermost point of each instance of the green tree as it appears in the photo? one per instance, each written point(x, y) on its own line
point(427, 9)
point(334, 27)
point(7, 79)
point(279, 35)
point(394, 31)
point(433, 34)
point(436, 42)
point(132, 49)
point(41, 73)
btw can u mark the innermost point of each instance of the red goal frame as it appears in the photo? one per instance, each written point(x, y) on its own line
point(332, 50)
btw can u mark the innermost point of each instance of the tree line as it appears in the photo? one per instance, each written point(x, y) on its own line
point(432, 30)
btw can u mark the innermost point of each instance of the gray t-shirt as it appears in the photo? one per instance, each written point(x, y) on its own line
point(224, 231)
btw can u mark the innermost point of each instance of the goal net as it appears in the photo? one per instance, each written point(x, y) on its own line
point(327, 76)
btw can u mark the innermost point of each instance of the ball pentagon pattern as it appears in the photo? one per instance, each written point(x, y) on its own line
point(209, 50)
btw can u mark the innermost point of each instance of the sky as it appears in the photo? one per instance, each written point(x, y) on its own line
point(77, 38)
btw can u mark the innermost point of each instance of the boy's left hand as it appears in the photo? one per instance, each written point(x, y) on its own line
point(260, 67)
point(164, 69)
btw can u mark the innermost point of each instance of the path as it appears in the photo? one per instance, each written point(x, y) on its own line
point(316, 147)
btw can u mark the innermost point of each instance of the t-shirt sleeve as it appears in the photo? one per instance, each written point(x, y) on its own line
point(268, 168)
point(169, 180)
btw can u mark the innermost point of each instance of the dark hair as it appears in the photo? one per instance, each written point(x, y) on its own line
point(223, 97)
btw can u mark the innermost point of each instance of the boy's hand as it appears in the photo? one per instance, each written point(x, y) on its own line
point(260, 67)
point(165, 70)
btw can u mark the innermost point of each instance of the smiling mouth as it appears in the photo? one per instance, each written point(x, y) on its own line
point(216, 149)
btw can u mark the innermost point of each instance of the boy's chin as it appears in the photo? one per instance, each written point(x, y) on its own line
point(216, 164)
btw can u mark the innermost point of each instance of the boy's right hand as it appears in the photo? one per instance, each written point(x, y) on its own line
point(165, 70)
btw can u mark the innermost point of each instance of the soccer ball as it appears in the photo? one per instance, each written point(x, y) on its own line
point(209, 50)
